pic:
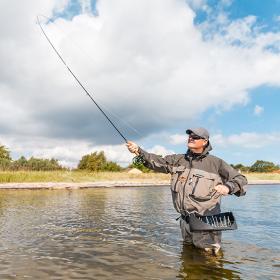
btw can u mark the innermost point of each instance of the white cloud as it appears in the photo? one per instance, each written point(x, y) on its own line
point(250, 140)
point(86, 6)
point(60, 6)
point(226, 2)
point(147, 61)
point(160, 150)
point(176, 139)
point(198, 4)
point(277, 18)
point(258, 110)
point(68, 152)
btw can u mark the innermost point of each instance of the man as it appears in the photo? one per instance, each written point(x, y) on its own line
point(198, 180)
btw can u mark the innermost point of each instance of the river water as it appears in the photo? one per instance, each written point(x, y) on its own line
point(131, 233)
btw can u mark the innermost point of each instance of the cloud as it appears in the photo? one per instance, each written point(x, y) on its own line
point(246, 140)
point(68, 152)
point(198, 4)
point(258, 110)
point(277, 18)
point(176, 139)
point(160, 150)
point(86, 6)
point(145, 60)
point(249, 140)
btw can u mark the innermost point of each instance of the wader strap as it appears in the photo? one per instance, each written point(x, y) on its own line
point(186, 218)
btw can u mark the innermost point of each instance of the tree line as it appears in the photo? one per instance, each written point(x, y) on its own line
point(258, 166)
point(97, 161)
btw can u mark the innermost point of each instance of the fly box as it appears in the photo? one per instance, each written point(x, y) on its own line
point(218, 222)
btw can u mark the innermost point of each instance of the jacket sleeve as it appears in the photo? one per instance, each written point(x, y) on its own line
point(156, 162)
point(233, 179)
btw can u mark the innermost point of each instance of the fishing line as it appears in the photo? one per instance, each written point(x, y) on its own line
point(106, 108)
point(125, 123)
point(78, 81)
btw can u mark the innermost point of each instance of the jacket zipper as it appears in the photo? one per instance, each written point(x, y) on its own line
point(184, 189)
point(196, 182)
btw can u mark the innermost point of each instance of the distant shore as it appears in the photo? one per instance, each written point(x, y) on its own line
point(106, 184)
point(84, 179)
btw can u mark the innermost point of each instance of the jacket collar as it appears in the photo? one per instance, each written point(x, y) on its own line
point(193, 156)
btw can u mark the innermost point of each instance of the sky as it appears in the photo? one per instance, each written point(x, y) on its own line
point(156, 67)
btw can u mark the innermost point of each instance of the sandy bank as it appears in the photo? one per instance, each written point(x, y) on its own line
point(100, 184)
point(107, 184)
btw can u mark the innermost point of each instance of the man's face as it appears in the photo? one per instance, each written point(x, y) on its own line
point(196, 142)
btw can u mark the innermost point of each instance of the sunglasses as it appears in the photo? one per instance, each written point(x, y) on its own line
point(195, 137)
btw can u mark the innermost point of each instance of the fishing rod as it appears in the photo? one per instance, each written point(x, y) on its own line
point(78, 81)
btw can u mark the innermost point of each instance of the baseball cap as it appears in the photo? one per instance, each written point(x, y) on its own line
point(200, 131)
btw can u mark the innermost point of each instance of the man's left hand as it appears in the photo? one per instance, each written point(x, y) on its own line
point(222, 189)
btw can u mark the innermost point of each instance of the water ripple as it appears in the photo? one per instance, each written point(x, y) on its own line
point(130, 233)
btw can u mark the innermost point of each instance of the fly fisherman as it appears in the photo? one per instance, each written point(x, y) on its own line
point(198, 180)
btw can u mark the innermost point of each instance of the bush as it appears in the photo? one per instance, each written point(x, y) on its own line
point(37, 164)
point(20, 164)
point(97, 162)
point(263, 166)
point(112, 166)
point(33, 164)
point(241, 167)
point(5, 164)
point(5, 153)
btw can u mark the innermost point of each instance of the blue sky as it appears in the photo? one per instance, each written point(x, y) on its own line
point(242, 118)
point(266, 11)
point(161, 66)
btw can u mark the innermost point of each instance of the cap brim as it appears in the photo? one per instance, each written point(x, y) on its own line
point(189, 131)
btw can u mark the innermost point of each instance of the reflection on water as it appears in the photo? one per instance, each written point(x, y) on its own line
point(129, 233)
point(197, 264)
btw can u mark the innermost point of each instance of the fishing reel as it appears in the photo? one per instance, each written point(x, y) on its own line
point(138, 160)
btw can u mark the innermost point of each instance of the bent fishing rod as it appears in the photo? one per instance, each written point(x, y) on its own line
point(78, 81)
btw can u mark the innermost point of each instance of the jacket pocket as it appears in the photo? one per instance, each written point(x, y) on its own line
point(202, 187)
point(176, 177)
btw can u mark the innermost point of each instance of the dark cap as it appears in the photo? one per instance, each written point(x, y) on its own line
point(200, 131)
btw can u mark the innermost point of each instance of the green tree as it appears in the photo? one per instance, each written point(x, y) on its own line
point(93, 162)
point(20, 164)
point(97, 162)
point(112, 166)
point(263, 166)
point(5, 158)
point(240, 167)
point(4, 153)
point(5, 164)
point(38, 164)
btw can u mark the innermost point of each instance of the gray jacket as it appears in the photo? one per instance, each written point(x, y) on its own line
point(193, 178)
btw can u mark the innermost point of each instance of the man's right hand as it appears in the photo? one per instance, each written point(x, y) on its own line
point(132, 147)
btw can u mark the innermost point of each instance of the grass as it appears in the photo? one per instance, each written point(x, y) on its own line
point(77, 176)
point(263, 176)
point(82, 176)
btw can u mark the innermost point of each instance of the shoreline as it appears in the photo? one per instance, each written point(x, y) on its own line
point(106, 184)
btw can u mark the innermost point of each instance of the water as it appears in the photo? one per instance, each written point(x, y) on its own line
point(130, 233)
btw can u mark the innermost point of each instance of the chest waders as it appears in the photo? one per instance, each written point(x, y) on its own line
point(219, 222)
